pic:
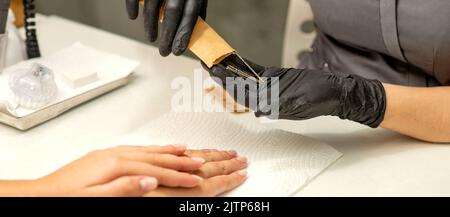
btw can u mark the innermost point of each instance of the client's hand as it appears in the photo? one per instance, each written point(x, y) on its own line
point(222, 172)
point(123, 171)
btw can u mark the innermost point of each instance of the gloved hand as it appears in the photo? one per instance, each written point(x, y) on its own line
point(305, 94)
point(180, 17)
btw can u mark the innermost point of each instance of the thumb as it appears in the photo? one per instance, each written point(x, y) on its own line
point(128, 186)
point(132, 8)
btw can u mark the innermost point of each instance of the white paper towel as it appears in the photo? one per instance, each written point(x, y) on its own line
point(281, 163)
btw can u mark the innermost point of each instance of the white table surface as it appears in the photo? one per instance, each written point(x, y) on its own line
point(375, 162)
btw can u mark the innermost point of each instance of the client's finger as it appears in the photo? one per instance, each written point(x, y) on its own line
point(212, 155)
point(219, 168)
point(165, 177)
point(179, 163)
point(221, 184)
point(128, 186)
point(176, 149)
point(209, 188)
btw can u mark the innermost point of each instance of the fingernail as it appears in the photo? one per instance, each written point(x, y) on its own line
point(198, 159)
point(243, 173)
point(232, 153)
point(242, 159)
point(180, 147)
point(148, 183)
point(198, 177)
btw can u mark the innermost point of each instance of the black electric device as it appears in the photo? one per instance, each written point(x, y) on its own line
point(31, 41)
point(4, 7)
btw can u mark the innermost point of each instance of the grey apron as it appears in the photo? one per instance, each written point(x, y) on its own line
point(405, 42)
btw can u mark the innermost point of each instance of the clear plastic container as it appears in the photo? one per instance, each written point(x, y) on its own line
point(33, 88)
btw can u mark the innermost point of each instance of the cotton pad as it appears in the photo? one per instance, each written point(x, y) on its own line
point(79, 78)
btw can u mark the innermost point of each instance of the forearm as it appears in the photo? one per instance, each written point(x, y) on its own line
point(19, 188)
point(422, 113)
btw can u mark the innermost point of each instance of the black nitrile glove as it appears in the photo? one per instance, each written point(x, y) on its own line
point(305, 94)
point(180, 17)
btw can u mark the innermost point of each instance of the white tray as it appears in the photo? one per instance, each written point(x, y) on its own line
point(48, 113)
point(113, 72)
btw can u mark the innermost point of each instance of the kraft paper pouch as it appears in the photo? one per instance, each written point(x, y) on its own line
point(209, 46)
point(206, 43)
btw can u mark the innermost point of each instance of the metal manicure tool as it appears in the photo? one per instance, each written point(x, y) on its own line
point(244, 73)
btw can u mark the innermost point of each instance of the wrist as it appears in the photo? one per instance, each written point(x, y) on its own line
point(20, 188)
point(45, 186)
point(363, 101)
